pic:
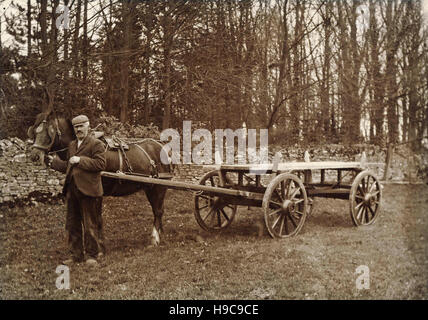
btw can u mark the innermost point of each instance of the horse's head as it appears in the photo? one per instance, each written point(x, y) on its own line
point(49, 133)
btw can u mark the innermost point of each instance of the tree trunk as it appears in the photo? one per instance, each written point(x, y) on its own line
point(85, 44)
point(284, 45)
point(66, 84)
point(391, 74)
point(326, 77)
point(43, 27)
point(167, 42)
point(124, 72)
point(29, 28)
point(147, 68)
point(296, 80)
point(75, 51)
point(377, 90)
point(44, 44)
point(53, 52)
point(414, 71)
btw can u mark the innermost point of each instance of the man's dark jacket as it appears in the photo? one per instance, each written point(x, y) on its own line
point(86, 173)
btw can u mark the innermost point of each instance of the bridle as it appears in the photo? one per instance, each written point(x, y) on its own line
point(58, 134)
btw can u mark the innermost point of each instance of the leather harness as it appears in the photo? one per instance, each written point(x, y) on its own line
point(122, 156)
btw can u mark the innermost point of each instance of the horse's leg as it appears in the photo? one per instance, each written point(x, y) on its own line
point(156, 196)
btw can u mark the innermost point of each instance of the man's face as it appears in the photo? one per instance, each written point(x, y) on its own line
point(81, 130)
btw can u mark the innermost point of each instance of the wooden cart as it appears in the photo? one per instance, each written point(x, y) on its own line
point(287, 198)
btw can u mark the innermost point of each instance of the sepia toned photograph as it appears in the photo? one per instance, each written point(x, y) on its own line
point(220, 150)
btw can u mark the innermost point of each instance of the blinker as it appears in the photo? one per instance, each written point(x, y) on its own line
point(39, 128)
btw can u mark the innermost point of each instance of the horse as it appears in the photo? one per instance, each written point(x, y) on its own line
point(52, 134)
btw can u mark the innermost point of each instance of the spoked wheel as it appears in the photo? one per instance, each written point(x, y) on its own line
point(365, 198)
point(211, 212)
point(300, 174)
point(285, 206)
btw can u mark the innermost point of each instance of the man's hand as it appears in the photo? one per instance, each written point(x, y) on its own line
point(48, 160)
point(74, 160)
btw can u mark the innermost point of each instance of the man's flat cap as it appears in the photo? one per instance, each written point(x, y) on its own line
point(79, 119)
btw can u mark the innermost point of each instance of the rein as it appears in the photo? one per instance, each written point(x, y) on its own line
point(63, 149)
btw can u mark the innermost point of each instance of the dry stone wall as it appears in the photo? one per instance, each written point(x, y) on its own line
point(23, 183)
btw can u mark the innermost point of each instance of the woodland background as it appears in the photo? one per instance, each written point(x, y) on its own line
point(310, 71)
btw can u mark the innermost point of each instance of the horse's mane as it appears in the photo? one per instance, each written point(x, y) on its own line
point(69, 125)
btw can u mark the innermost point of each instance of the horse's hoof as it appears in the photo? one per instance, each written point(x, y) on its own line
point(155, 237)
point(154, 242)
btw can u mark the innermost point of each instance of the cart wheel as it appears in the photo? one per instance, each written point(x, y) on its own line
point(365, 198)
point(300, 174)
point(285, 205)
point(211, 212)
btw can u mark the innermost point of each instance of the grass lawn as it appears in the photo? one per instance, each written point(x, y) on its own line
point(242, 262)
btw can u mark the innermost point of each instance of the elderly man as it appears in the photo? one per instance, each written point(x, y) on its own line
point(83, 191)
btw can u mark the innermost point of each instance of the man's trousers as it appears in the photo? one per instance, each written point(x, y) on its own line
point(84, 219)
